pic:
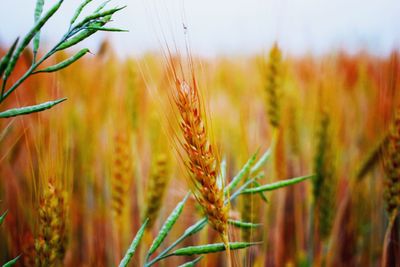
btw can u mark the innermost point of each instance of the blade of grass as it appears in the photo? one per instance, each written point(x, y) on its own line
point(244, 225)
point(132, 248)
point(166, 228)
point(11, 262)
point(78, 11)
point(65, 63)
point(36, 40)
point(210, 248)
point(6, 58)
point(2, 217)
point(30, 109)
point(246, 168)
point(276, 185)
point(192, 263)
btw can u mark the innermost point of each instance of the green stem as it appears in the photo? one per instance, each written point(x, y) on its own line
point(311, 236)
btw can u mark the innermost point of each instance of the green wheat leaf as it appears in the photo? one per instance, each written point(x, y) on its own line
point(169, 223)
point(30, 109)
point(132, 248)
point(276, 185)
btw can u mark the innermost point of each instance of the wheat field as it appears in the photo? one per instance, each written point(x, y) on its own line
point(168, 159)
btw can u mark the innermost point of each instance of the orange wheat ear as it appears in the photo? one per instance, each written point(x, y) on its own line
point(202, 162)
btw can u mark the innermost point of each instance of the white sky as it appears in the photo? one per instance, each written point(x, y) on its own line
point(230, 26)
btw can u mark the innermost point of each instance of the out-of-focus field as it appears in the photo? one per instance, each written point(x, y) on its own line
point(98, 155)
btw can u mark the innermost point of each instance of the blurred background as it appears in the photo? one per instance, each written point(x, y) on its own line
point(234, 26)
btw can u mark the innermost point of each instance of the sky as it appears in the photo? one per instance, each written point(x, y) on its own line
point(226, 27)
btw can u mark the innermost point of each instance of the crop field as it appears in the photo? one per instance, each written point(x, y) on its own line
point(174, 159)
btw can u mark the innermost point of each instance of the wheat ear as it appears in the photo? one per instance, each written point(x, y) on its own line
point(202, 162)
point(51, 244)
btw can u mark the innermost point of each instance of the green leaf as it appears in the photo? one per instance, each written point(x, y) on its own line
point(222, 174)
point(245, 170)
point(261, 162)
point(132, 248)
point(27, 39)
point(38, 13)
point(4, 61)
point(195, 227)
point(83, 34)
point(210, 248)
point(99, 15)
point(169, 223)
point(79, 10)
point(191, 263)
point(244, 186)
point(244, 225)
point(30, 109)
point(11, 262)
point(261, 194)
point(2, 217)
point(105, 29)
point(65, 63)
point(276, 185)
point(102, 6)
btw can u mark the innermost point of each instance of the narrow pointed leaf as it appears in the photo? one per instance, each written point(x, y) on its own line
point(99, 15)
point(2, 217)
point(196, 227)
point(210, 248)
point(83, 34)
point(276, 185)
point(191, 263)
point(261, 194)
point(79, 10)
point(4, 61)
point(106, 29)
point(166, 228)
point(27, 39)
point(132, 248)
point(30, 109)
point(102, 6)
point(246, 168)
point(38, 13)
point(222, 174)
point(65, 63)
point(11, 262)
point(244, 225)
point(244, 186)
point(261, 162)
